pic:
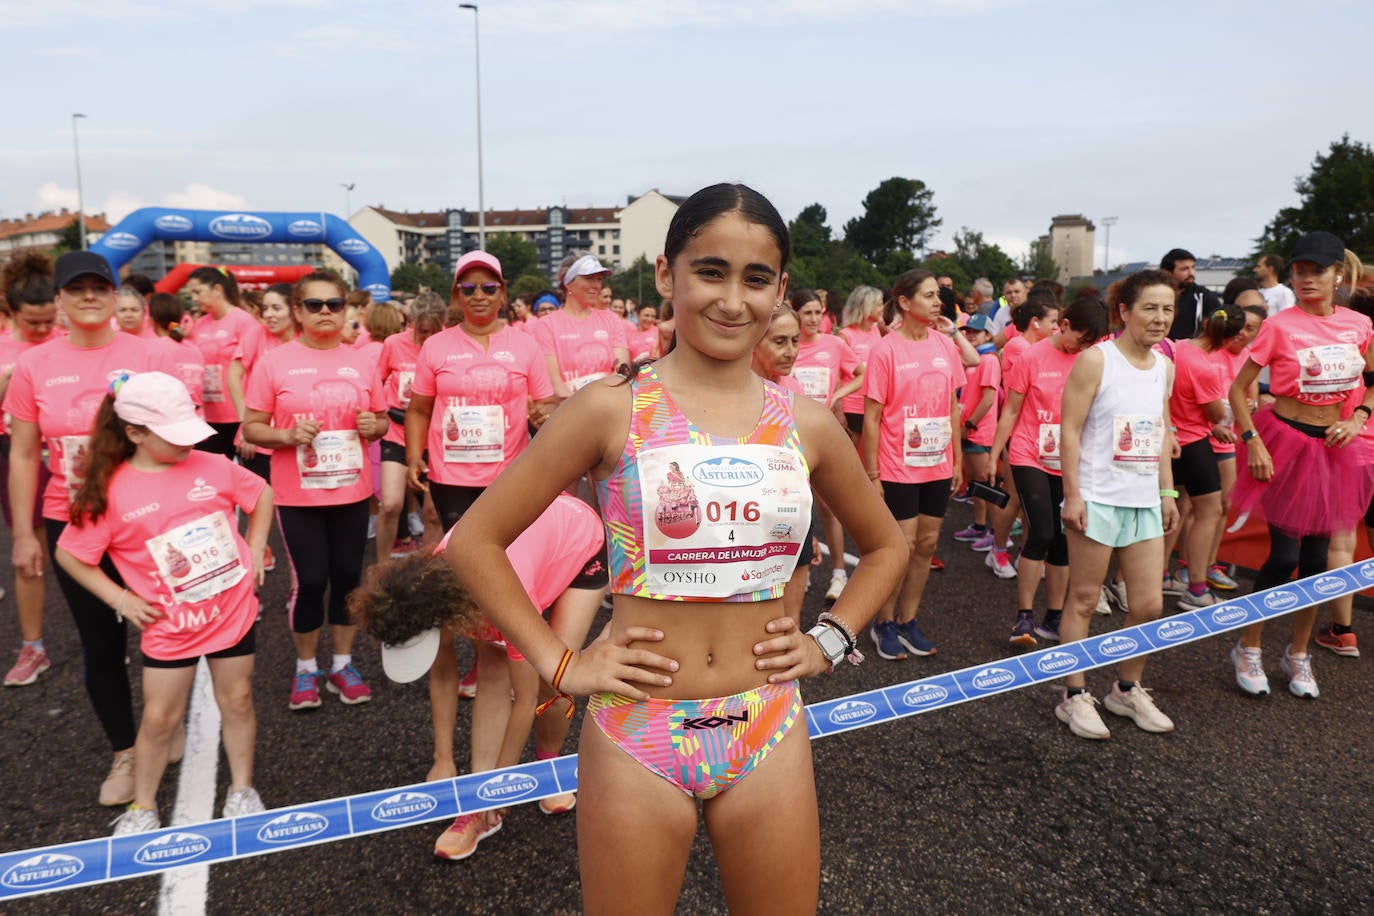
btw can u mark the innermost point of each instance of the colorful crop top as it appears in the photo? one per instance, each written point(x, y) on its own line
point(695, 517)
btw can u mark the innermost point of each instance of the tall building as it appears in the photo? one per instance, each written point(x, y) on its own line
point(616, 235)
point(1071, 245)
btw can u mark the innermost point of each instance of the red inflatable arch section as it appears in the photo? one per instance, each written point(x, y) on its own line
point(247, 276)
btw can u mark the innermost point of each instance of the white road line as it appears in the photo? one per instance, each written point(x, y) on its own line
point(185, 890)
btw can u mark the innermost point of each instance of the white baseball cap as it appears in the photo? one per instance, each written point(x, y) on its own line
point(585, 266)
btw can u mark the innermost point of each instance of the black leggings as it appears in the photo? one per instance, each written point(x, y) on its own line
point(452, 502)
point(326, 545)
point(104, 645)
point(1307, 554)
point(1041, 496)
point(222, 442)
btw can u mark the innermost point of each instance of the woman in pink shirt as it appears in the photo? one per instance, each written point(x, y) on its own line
point(396, 368)
point(52, 399)
point(643, 341)
point(863, 327)
point(911, 410)
point(278, 326)
point(219, 329)
point(580, 342)
point(1303, 463)
point(317, 403)
point(131, 313)
point(978, 423)
point(166, 311)
point(1029, 429)
point(28, 292)
point(164, 512)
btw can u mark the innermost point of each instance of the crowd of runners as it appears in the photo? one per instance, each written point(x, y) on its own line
point(150, 448)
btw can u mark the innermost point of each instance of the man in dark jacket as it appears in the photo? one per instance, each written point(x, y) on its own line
point(1195, 303)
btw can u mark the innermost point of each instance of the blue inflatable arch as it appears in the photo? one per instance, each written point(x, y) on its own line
point(157, 224)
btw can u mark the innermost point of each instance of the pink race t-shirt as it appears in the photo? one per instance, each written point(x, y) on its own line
point(1039, 374)
point(481, 397)
point(584, 347)
point(915, 381)
point(1013, 351)
point(861, 342)
point(10, 348)
point(171, 535)
point(1198, 380)
point(823, 365)
point(60, 387)
point(218, 339)
point(329, 387)
point(1315, 360)
point(643, 343)
point(987, 374)
point(1230, 365)
point(396, 367)
point(372, 350)
point(549, 555)
point(250, 349)
point(190, 365)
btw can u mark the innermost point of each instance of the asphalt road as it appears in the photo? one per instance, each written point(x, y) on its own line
point(1251, 805)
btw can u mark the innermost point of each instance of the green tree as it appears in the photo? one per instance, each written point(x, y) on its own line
point(946, 266)
point(518, 256)
point(898, 214)
point(636, 282)
point(810, 235)
point(1337, 196)
point(69, 239)
point(982, 259)
point(1037, 261)
point(527, 284)
point(411, 278)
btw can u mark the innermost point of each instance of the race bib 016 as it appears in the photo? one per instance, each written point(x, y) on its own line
point(198, 560)
point(474, 434)
point(1138, 443)
point(1329, 369)
point(925, 441)
point(333, 459)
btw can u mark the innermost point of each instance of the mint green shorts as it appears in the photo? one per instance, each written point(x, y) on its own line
point(1122, 526)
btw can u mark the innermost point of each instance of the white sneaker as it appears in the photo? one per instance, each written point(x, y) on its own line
point(243, 801)
point(1190, 602)
point(1104, 606)
point(1249, 666)
point(838, 580)
point(416, 523)
point(1136, 705)
point(1301, 682)
point(136, 820)
point(371, 527)
point(1000, 564)
point(1080, 714)
point(1117, 595)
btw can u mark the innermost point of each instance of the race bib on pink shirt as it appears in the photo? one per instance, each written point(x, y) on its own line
point(925, 441)
point(198, 560)
point(333, 459)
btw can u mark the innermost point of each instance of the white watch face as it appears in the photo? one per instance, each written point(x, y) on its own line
point(832, 645)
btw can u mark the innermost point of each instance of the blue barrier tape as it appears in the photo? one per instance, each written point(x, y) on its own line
point(71, 865)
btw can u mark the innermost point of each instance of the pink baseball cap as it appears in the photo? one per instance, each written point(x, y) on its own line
point(161, 403)
point(477, 259)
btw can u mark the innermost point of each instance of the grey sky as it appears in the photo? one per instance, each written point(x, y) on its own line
point(1188, 121)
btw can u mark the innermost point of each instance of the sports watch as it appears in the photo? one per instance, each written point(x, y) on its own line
point(831, 643)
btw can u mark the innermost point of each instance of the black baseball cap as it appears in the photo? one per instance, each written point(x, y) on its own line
point(1321, 248)
point(76, 264)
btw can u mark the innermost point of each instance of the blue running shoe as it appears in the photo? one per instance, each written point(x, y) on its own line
point(884, 633)
point(911, 637)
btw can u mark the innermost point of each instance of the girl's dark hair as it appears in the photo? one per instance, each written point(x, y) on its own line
point(251, 302)
point(140, 282)
point(400, 599)
point(214, 276)
point(1227, 321)
point(1127, 292)
point(27, 280)
point(1262, 313)
point(1054, 286)
point(905, 285)
point(800, 297)
point(1236, 286)
point(1087, 317)
point(1039, 303)
point(281, 289)
point(110, 446)
point(1361, 300)
point(298, 291)
point(951, 303)
point(710, 202)
point(166, 311)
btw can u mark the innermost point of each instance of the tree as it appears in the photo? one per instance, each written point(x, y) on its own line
point(898, 214)
point(1337, 196)
point(982, 259)
point(528, 285)
point(518, 256)
point(1037, 261)
point(636, 282)
point(810, 234)
point(411, 277)
point(69, 239)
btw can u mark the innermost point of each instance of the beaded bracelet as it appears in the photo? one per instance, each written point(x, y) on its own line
point(852, 655)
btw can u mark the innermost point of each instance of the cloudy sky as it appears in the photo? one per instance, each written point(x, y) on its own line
point(1187, 121)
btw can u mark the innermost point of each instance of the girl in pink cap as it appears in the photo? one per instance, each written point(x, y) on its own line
point(164, 513)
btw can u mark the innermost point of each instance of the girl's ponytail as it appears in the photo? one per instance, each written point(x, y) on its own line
point(110, 447)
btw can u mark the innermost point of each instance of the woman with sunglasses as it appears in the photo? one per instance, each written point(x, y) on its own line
point(581, 342)
point(218, 330)
point(318, 403)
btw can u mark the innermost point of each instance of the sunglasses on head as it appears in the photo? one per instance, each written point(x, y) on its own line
point(315, 306)
point(491, 289)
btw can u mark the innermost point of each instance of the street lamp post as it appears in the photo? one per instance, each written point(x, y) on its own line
point(477, 58)
point(80, 199)
point(1109, 222)
point(348, 197)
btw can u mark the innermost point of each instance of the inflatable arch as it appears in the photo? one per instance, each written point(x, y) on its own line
point(157, 224)
point(248, 276)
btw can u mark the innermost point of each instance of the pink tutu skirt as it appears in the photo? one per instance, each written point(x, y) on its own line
point(1314, 490)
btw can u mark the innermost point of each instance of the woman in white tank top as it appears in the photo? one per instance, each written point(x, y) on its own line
point(1118, 490)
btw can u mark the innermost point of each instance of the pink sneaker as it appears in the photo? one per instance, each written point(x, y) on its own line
point(305, 690)
point(467, 687)
point(32, 663)
point(349, 685)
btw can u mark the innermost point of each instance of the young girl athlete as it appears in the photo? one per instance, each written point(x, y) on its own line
point(689, 699)
point(165, 515)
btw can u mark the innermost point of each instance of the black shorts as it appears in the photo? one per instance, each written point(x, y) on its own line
point(908, 500)
point(245, 646)
point(855, 422)
point(222, 442)
point(1195, 469)
point(391, 451)
point(452, 502)
point(595, 573)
